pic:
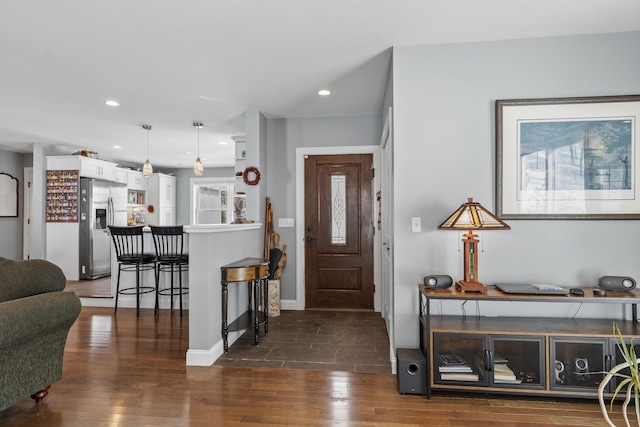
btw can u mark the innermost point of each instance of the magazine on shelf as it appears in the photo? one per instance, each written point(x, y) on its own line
point(459, 376)
point(502, 374)
point(498, 359)
point(453, 363)
point(451, 359)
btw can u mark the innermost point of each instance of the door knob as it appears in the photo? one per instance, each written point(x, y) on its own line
point(309, 239)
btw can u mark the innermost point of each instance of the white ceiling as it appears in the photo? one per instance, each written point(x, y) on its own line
point(172, 62)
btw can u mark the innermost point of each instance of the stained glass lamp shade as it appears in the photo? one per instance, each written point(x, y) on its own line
point(472, 216)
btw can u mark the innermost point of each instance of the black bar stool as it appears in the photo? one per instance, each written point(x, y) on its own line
point(129, 244)
point(169, 243)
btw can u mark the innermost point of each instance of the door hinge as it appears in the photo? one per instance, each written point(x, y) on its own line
point(373, 172)
point(374, 288)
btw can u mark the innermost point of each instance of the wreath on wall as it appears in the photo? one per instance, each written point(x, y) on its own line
point(255, 179)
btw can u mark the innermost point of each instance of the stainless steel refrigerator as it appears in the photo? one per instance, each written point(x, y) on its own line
point(102, 203)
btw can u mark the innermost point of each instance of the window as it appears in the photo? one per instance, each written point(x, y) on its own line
point(213, 201)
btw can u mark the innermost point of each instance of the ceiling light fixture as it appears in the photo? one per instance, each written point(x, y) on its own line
point(112, 103)
point(324, 92)
point(147, 169)
point(198, 169)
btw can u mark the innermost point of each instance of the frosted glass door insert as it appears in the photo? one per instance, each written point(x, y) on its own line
point(338, 209)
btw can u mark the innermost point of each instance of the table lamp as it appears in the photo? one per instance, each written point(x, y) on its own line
point(472, 216)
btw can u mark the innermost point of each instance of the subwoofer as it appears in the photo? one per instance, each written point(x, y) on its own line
point(617, 283)
point(412, 371)
point(438, 281)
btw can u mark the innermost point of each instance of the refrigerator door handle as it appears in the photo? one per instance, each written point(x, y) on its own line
point(110, 212)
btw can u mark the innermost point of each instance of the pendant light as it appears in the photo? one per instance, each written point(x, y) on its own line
point(147, 169)
point(198, 169)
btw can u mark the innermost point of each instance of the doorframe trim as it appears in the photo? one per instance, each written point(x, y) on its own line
point(300, 199)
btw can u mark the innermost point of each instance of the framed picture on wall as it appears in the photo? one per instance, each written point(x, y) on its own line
point(568, 158)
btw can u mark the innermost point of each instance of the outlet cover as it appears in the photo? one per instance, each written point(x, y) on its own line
point(285, 222)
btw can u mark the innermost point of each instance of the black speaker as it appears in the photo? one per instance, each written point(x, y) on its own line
point(438, 281)
point(412, 371)
point(617, 283)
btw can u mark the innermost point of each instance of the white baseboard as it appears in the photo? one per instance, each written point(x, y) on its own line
point(204, 357)
point(289, 304)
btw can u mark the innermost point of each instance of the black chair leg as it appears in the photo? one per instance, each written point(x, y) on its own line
point(156, 270)
point(115, 310)
point(180, 283)
point(137, 290)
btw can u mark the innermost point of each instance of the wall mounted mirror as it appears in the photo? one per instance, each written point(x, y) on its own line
point(8, 195)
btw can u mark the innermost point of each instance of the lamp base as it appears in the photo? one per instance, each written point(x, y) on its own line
point(462, 287)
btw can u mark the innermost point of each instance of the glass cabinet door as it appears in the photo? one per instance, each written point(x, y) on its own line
point(459, 358)
point(517, 362)
point(577, 363)
point(616, 359)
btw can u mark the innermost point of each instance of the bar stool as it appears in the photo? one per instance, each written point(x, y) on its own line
point(169, 243)
point(129, 245)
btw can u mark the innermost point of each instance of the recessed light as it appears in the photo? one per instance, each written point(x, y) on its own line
point(187, 152)
point(324, 92)
point(223, 142)
point(117, 147)
point(112, 103)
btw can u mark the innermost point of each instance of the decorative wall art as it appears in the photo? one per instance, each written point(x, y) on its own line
point(62, 196)
point(568, 158)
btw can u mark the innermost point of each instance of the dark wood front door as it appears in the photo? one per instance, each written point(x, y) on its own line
point(339, 231)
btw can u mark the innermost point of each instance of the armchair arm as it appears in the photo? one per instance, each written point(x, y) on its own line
point(23, 278)
point(29, 317)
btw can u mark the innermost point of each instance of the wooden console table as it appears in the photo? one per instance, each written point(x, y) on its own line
point(255, 272)
point(543, 355)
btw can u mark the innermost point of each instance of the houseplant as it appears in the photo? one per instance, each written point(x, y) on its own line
point(631, 381)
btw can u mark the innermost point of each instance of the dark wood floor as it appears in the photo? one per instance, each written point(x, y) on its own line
point(99, 288)
point(129, 371)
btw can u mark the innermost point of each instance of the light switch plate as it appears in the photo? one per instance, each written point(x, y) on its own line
point(285, 222)
point(416, 224)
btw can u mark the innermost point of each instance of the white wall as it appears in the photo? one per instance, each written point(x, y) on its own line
point(444, 99)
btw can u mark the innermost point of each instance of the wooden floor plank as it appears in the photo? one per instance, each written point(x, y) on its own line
point(129, 371)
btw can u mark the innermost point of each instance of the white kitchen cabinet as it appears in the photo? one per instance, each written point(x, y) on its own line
point(136, 181)
point(121, 175)
point(87, 166)
point(161, 200)
point(167, 216)
point(167, 190)
point(94, 168)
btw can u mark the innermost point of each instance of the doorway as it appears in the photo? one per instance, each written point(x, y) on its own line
point(301, 155)
point(339, 232)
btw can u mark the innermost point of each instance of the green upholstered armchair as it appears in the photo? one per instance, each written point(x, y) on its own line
point(35, 318)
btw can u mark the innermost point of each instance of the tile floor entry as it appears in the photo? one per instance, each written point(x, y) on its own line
point(354, 341)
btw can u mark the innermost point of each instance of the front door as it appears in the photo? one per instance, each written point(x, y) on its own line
point(339, 231)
